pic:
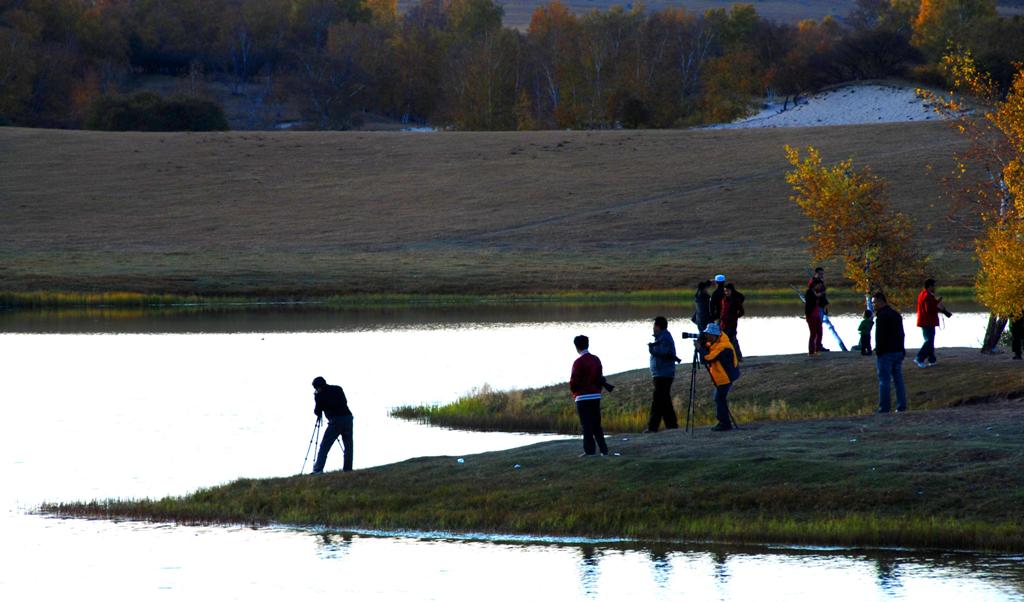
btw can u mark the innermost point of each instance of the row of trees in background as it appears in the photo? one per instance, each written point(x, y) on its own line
point(452, 62)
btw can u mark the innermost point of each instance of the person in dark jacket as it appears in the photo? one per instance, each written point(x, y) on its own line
point(663, 372)
point(732, 311)
point(331, 400)
point(889, 354)
point(585, 383)
point(715, 306)
point(1017, 335)
point(702, 306)
point(823, 304)
point(812, 313)
point(865, 332)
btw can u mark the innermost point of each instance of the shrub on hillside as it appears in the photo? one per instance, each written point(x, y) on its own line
point(865, 55)
point(929, 75)
point(149, 112)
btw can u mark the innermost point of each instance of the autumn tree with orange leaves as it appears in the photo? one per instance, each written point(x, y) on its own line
point(852, 220)
point(987, 184)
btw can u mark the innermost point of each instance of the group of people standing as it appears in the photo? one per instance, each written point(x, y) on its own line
point(716, 315)
point(723, 305)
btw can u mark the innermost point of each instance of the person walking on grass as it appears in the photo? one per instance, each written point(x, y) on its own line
point(716, 352)
point(732, 311)
point(331, 400)
point(663, 372)
point(889, 354)
point(585, 383)
point(928, 308)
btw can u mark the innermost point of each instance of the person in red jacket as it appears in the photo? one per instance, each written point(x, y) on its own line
point(585, 383)
point(928, 308)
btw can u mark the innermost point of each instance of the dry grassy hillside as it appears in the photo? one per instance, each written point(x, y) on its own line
point(317, 213)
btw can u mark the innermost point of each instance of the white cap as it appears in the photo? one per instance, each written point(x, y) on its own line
point(720, 278)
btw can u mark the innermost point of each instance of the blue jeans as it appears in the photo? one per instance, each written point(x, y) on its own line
point(340, 426)
point(722, 404)
point(890, 370)
point(927, 351)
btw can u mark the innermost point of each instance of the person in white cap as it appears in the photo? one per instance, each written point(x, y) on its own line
point(718, 355)
point(716, 298)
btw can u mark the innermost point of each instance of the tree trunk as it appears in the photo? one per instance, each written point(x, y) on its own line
point(993, 332)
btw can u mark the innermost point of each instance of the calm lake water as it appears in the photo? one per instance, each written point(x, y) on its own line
point(115, 404)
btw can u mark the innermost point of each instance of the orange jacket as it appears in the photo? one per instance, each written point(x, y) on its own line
point(721, 359)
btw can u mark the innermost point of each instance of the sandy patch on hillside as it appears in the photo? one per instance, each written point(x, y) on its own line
point(847, 105)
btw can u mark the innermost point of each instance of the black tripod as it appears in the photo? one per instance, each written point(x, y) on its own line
point(693, 390)
point(312, 445)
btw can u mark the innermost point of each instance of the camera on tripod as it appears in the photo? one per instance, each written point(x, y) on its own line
point(689, 335)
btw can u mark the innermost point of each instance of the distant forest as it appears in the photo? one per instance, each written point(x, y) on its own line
point(334, 64)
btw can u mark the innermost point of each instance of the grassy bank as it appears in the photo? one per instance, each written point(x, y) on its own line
point(281, 215)
point(659, 298)
point(793, 387)
point(945, 478)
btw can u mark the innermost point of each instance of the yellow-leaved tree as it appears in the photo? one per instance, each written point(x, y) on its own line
point(987, 185)
point(939, 21)
point(1000, 280)
point(852, 220)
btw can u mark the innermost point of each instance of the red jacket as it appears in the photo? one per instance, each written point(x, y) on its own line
point(586, 377)
point(927, 309)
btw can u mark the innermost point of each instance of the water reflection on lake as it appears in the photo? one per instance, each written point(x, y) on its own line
point(120, 410)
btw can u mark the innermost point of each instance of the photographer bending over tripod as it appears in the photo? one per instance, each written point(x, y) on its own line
point(331, 400)
point(717, 354)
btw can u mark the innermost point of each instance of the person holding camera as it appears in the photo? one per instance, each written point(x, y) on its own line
point(889, 354)
point(331, 400)
point(663, 372)
point(717, 354)
point(585, 383)
point(928, 308)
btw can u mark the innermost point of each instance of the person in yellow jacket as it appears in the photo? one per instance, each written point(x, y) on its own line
point(717, 353)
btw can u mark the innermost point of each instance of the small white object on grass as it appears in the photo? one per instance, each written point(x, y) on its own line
point(461, 460)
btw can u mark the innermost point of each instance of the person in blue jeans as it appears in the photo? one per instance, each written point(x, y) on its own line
point(889, 352)
point(331, 400)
